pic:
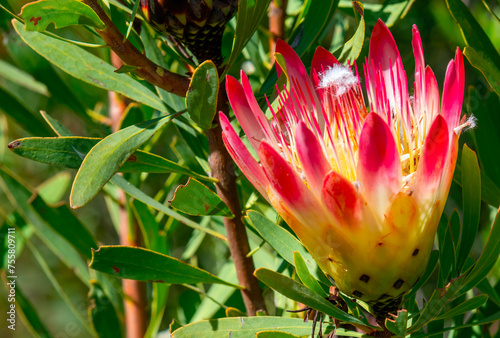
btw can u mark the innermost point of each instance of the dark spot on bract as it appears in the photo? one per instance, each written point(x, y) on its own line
point(399, 283)
point(380, 244)
point(384, 296)
point(415, 252)
point(115, 269)
point(357, 293)
point(364, 278)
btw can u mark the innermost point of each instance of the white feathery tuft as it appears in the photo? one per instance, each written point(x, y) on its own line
point(339, 78)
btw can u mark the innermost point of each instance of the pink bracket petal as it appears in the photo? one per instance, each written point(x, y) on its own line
point(431, 165)
point(322, 60)
point(311, 156)
point(384, 53)
point(453, 91)
point(341, 199)
point(244, 113)
point(379, 165)
point(285, 181)
point(240, 154)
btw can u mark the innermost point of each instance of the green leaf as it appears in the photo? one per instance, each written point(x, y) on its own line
point(398, 324)
point(201, 97)
point(24, 117)
point(353, 47)
point(389, 11)
point(250, 14)
point(197, 199)
point(87, 67)
point(221, 293)
point(21, 78)
point(19, 196)
point(65, 223)
point(107, 156)
point(54, 189)
point(102, 313)
point(318, 15)
point(68, 152)
point(28, 312)
point(149, 266)
point(471, 191)
point(481, 54)
point(431, 266)
point(133, 191)
point(468, 305)
point(275, 334)
point(299, 293)
point(488, 257)
point(38, 15)
point(304, 275)
point(485, 65)
point(490, 192)
point(243, 327)
point(437, 302)
point(283, 242)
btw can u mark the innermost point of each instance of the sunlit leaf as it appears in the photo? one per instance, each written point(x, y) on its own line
point(149, 266)
point(62, 13)
point(201, 97)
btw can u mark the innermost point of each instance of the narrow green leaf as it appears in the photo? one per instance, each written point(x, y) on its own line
point(53, 190)
point(133, 191)
point(197, 199)
point(250, 14)
point(62, 292)
point(19, 196)
point(65, 223)
point(284, 243)
point(398, 324)
point(102, 313)
point(274, 334)
point(390, 12)
point(482, 54)
point(107, 156)
point(243, 327)
point(471, 192)
point(201, 97)
point(488, 257)
point(298, 292)
point(490, 192)
point(21, 78)
point(304, 275)
point(149, 266)
point(431, 266)
point(468, 305)
point(68, 152)
point(353, 47)
point(87, 67)
point(62, 13)
point(24, 117)
point(221, 293)
point(27, 312)
point(485, 65)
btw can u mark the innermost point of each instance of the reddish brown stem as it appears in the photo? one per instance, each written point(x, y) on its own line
point(222, 167)
point(134, 302)
point(277, 16)
point(220, 161)
point(146, 69)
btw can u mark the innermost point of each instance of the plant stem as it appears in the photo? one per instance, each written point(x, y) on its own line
point(146, 69)
point(219, 160)
point(222, 167)
point(134, 302)
point(277, 16)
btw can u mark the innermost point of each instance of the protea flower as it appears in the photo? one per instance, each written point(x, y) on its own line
point(198, 24)
point(362, 186)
